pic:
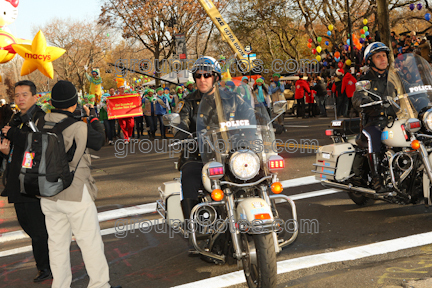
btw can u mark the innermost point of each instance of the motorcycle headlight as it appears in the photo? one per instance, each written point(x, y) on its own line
point(244, 164)
point(427, 120)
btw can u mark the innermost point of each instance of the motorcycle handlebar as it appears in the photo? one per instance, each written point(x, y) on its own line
point(372, 104)
point(181, 142)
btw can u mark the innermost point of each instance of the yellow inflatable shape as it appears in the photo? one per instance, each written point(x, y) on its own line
point(6, 40)
point(38, 56)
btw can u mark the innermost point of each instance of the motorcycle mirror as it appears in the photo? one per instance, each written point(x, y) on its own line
point(280, 107)
point(172, 119)
point(363, 85)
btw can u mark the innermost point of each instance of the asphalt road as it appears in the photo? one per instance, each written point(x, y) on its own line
point(154, 259)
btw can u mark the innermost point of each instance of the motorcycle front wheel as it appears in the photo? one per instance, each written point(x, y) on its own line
point(259, 264)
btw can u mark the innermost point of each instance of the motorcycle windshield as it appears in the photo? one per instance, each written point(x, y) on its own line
point(227, 122)
point(412, 79)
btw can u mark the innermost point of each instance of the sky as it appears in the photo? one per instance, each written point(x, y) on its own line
point(33, 13)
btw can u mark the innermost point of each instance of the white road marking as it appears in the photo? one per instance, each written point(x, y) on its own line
point(290, 265)
point(151, 207)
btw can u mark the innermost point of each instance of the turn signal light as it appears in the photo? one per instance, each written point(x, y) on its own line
point(262, 216)
point(276, 188)
point(415, 144)
point(329, 132)
point(217, 195)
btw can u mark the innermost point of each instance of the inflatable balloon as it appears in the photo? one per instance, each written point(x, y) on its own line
point(330, 27)
point(367, 33)
point(348, 62)
point(348, 41)
point(365, 28)
point(419, 6)
point(427, 16)
point(7, 53)
point(329, 33)
point(319, 49)
point(141, 77)
point(346, 47)
point(327, 43)
point(337, 54)
point(318, 58)
point(337, 59)
point(38, 56)
point(358, 46)
point(362, 40)
point(412, 7)
point(363, 36)
point(365, 21)
point(9, 12)
point(309, 45)
point(362, 31)
point(313, 51)
point(319, 39)
point(325, 63)
point(340, 64)
point(310, 40)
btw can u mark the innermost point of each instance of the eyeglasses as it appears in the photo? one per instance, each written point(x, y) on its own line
point(206, 75)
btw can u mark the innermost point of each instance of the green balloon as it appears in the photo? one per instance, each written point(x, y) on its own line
point(141, 77)
point(319, 39)
point(365, 28)
point(363, 36)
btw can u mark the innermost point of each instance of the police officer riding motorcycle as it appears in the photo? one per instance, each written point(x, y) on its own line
point(374, 118)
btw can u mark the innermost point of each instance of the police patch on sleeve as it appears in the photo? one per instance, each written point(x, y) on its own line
point(179, 107)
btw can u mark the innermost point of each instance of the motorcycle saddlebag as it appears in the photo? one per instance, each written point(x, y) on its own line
point(170, 196)
point(334, 162)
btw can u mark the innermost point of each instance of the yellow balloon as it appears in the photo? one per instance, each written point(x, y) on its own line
point(330, 27)
point(319, 49)
point(38, 56)
point(318, 58)
point(365, 21)
point(6, 39)
point(348, 62)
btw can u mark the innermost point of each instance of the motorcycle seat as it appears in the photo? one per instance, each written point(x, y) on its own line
point(347, 126)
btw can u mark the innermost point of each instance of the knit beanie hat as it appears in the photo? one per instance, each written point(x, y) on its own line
point(245, 78)
point(64, 95)
point(259, 80)
point(159, 89)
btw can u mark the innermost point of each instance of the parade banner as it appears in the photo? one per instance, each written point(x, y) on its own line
point(124, 106)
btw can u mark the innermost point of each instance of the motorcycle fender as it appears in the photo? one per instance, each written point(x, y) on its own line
point(248, 208)
point(426, 184)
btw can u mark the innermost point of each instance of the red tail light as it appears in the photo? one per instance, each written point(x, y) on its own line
point(329, 132)
point(276, 162)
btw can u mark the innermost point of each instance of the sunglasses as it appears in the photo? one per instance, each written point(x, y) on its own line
point(206, 75)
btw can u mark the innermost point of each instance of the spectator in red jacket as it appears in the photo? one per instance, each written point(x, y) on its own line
point(348, 88)
point(302, 87)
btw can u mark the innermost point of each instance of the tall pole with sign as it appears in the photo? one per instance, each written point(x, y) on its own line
point(223, 28)
point(248, 50)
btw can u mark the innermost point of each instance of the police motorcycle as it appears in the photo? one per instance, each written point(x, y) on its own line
point(406, 142)
point(236, 218)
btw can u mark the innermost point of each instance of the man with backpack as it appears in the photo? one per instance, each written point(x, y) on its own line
point(72, 211)
point(28, 208)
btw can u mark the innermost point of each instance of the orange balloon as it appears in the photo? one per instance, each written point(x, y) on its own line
point(337, 54)
point(362, 31)
point(309, 45)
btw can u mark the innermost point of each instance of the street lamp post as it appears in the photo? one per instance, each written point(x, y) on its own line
point(350, 32)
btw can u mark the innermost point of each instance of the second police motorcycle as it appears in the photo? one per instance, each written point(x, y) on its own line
point(406, 150)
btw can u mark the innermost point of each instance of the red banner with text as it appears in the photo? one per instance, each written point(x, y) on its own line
point(124, 106)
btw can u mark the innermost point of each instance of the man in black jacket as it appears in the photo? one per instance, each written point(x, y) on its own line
point(374, 117)
point(28, 209)
point(321, 90)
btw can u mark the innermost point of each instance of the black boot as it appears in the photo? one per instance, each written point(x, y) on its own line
point(187, 205)
point(377, 182)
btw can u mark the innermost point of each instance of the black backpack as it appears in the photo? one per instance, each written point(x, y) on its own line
point(45, 169)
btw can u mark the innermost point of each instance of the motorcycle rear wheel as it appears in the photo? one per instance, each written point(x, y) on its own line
point(259, 265)
point(360, 199)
